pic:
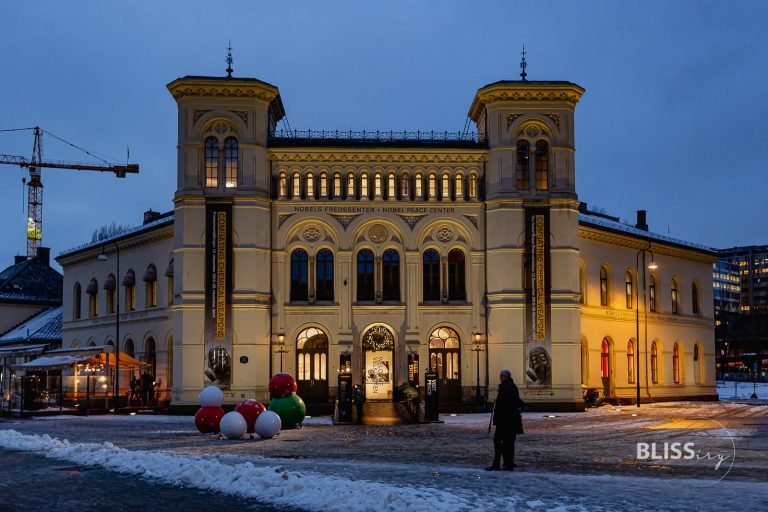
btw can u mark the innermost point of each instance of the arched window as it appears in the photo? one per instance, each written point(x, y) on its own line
point(542, 165)
point(391, 275)
point(128, 349)
point(310, 186)
point(605, 359)
point(628, 289)
point(93, 297)
point(364, 193)
point(444, 358)
point(431, 275)
point(323, 184)
point(110, 286)
point(631, 362)
point(418, 187)
point(457, 289)
point(391, 186)
point(299, 275)
point(696, 364)
point(211, 162)
point(654, 363)
point(445, 188)
point(77, 295)
point(230, 162)
point(150, 286)
point(296, 192)
point(337, 185)
point(150, 356)
point(695, 298)
point(312, 361)
point(472, 186)
point(324, 275)
point(523, 165)
point(365, 285)
point(652, 294)
point(676, 363)
point(432, 189)
point(673, 292)
point(459, 187)
point(603, 286)
point(351, 186)
point(584, 362)
point(282, 185)
point(377, 185)
point(405, 186)
point(129, 283)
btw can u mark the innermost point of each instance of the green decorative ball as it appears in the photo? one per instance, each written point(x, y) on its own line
point(291, 410)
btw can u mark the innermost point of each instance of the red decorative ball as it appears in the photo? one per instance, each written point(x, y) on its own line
point(250, 409)
point(282, 384)
point(208, 418)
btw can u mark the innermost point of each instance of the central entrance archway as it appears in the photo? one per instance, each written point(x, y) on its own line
point(312, 365)
point(378, 349)
point(444, 351)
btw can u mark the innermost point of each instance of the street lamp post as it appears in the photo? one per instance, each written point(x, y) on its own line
point(281, 349)
point(103, 257)
point(652, 266)
point(477, 347)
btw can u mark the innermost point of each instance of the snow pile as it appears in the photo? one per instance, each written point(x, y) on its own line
point(730, 389)
point(268, 484)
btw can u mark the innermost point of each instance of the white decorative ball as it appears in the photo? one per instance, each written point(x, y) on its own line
point(233, 425)
point(268, 424)
point(211, 396)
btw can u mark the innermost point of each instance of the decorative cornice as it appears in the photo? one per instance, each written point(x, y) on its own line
point(522, 92)
point(637, 244)
point(371, 156)
point(200, 87)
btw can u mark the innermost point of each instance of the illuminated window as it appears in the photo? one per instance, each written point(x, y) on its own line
point(459, 187)
point(418, 187)
point(695, 298)
point(431, 275)
point(652, 294)
point(377, 185)
point(350, 186)
point(457, 289)
point(673, 292)
point(628, 287)
point(676, 364)
point(77, 303)
point(337, 185)
point(391, 275)
point(364, 194)
point(296, 192)
point(323, 185)
point(150, 284)
point(523, 169)
point(432, 190)
point(631, 362)
point(211, 162)
point(365, 282)
point(282, 185)
point(605, 361)
point(603, 286)
point(542, 165)
point(310, 186)
point(230, 162)
point(405, 188)
point(299, 276)
point(324, 282)
point(312, 357)
point(391, 186)
point(446, 188)
point(129, 282)
point(472, 186)
point(93, 297)
point(654, 363)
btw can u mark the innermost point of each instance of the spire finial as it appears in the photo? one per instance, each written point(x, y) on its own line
point(523, 64)
point(229, 59)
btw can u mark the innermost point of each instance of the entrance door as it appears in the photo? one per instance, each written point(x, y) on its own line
point(605, 367)
point(444, 358)
point(378, 347)
point(312, 365)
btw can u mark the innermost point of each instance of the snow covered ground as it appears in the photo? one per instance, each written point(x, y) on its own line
point(568, 462)
point(741, 390)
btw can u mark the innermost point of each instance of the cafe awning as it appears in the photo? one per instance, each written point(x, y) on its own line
point(126, 361)
point(47, 363)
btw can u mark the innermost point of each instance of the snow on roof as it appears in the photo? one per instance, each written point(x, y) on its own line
point(164, 219)
point(601, 221)
point(44, 326)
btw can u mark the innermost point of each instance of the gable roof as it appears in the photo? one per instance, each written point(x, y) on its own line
point(31, 281)
point(43, 327)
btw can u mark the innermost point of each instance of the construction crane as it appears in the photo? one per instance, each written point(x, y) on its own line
point(34, 224)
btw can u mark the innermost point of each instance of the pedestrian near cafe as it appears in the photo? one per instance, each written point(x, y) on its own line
point(508, 421)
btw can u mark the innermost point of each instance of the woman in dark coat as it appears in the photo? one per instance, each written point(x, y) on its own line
point(509, 422)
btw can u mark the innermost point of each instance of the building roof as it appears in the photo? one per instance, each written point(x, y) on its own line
point(31, 281)
point(43, 327)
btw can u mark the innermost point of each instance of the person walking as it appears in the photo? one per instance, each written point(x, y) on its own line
point(509, 422)
point(359, 401)
point(134, 389)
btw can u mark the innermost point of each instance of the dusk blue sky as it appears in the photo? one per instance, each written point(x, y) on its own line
point(673, 119)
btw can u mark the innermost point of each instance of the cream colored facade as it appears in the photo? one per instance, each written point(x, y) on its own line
point(460, 253)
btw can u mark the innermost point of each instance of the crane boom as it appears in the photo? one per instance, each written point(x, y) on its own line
point(34, 222)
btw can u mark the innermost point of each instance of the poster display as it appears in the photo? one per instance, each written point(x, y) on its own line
point(538, 345)
point(218, 294)
point(378, 374)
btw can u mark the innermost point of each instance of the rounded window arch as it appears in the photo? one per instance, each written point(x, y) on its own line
point(405, 186)
point(631, 361)
point(445, 359)
point(472, 186)
point(128, 348)
point(282, 185)
point(459, 187)
point(695, 298)
point(584, 361)
point(418, 186)
point(390, 263)
point(652, 293)
point(366, 290)
point(364, 189)
point(628, 289)
point(211, 162)
point(312, 364)
point(697, 364)
point(432, 186)
point(676, 363)
point(310, 186)
point(230, 162)
point(93, 297)
point(431, 275)
point(542, 165)
point(296, 186)
point(445, 188)
point(675, 296)
point(150, 356)
point(323, 185)
point(604, 287)
point(299, 276)
point(77, 305)
point(457, 289)
point(605, 358)
point(523, 165)
point(654, 363)
point(324, 275)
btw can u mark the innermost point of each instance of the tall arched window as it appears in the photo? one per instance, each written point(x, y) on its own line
point(366, 289)
point(696, 364)
point(150, 286)
point(432, 187)
point(405, 186)
point(282, 185)
point(364, 192)
point(431, 275)
point(676, 363)
point(351, 186)
point(391, 186)
point(211, 162)
point(310, 186)
point(631, 362)
point(77, 303)
point(324, 283)
point(652, 294)
point(472, 186)
point(459, 187)
point(542, 165)
point(457, 289)
point(391, 275)
point(128, 348)
point(299, 275)
point(605, 359)
point(654, 363)
point(418, 187)
point(93, 297)
point(337, 185)
point(150, 356)
point(296, 192)
point(628, 289)
point(230, 162)
point(673, 292)
point(523, 165)
point(323, 184)
point(695, 298)
point(129, 283)
point(377, 185)
point(445, 188)
point(603, 286)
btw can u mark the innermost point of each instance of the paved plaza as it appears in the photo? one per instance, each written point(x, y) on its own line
point(567, 461)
